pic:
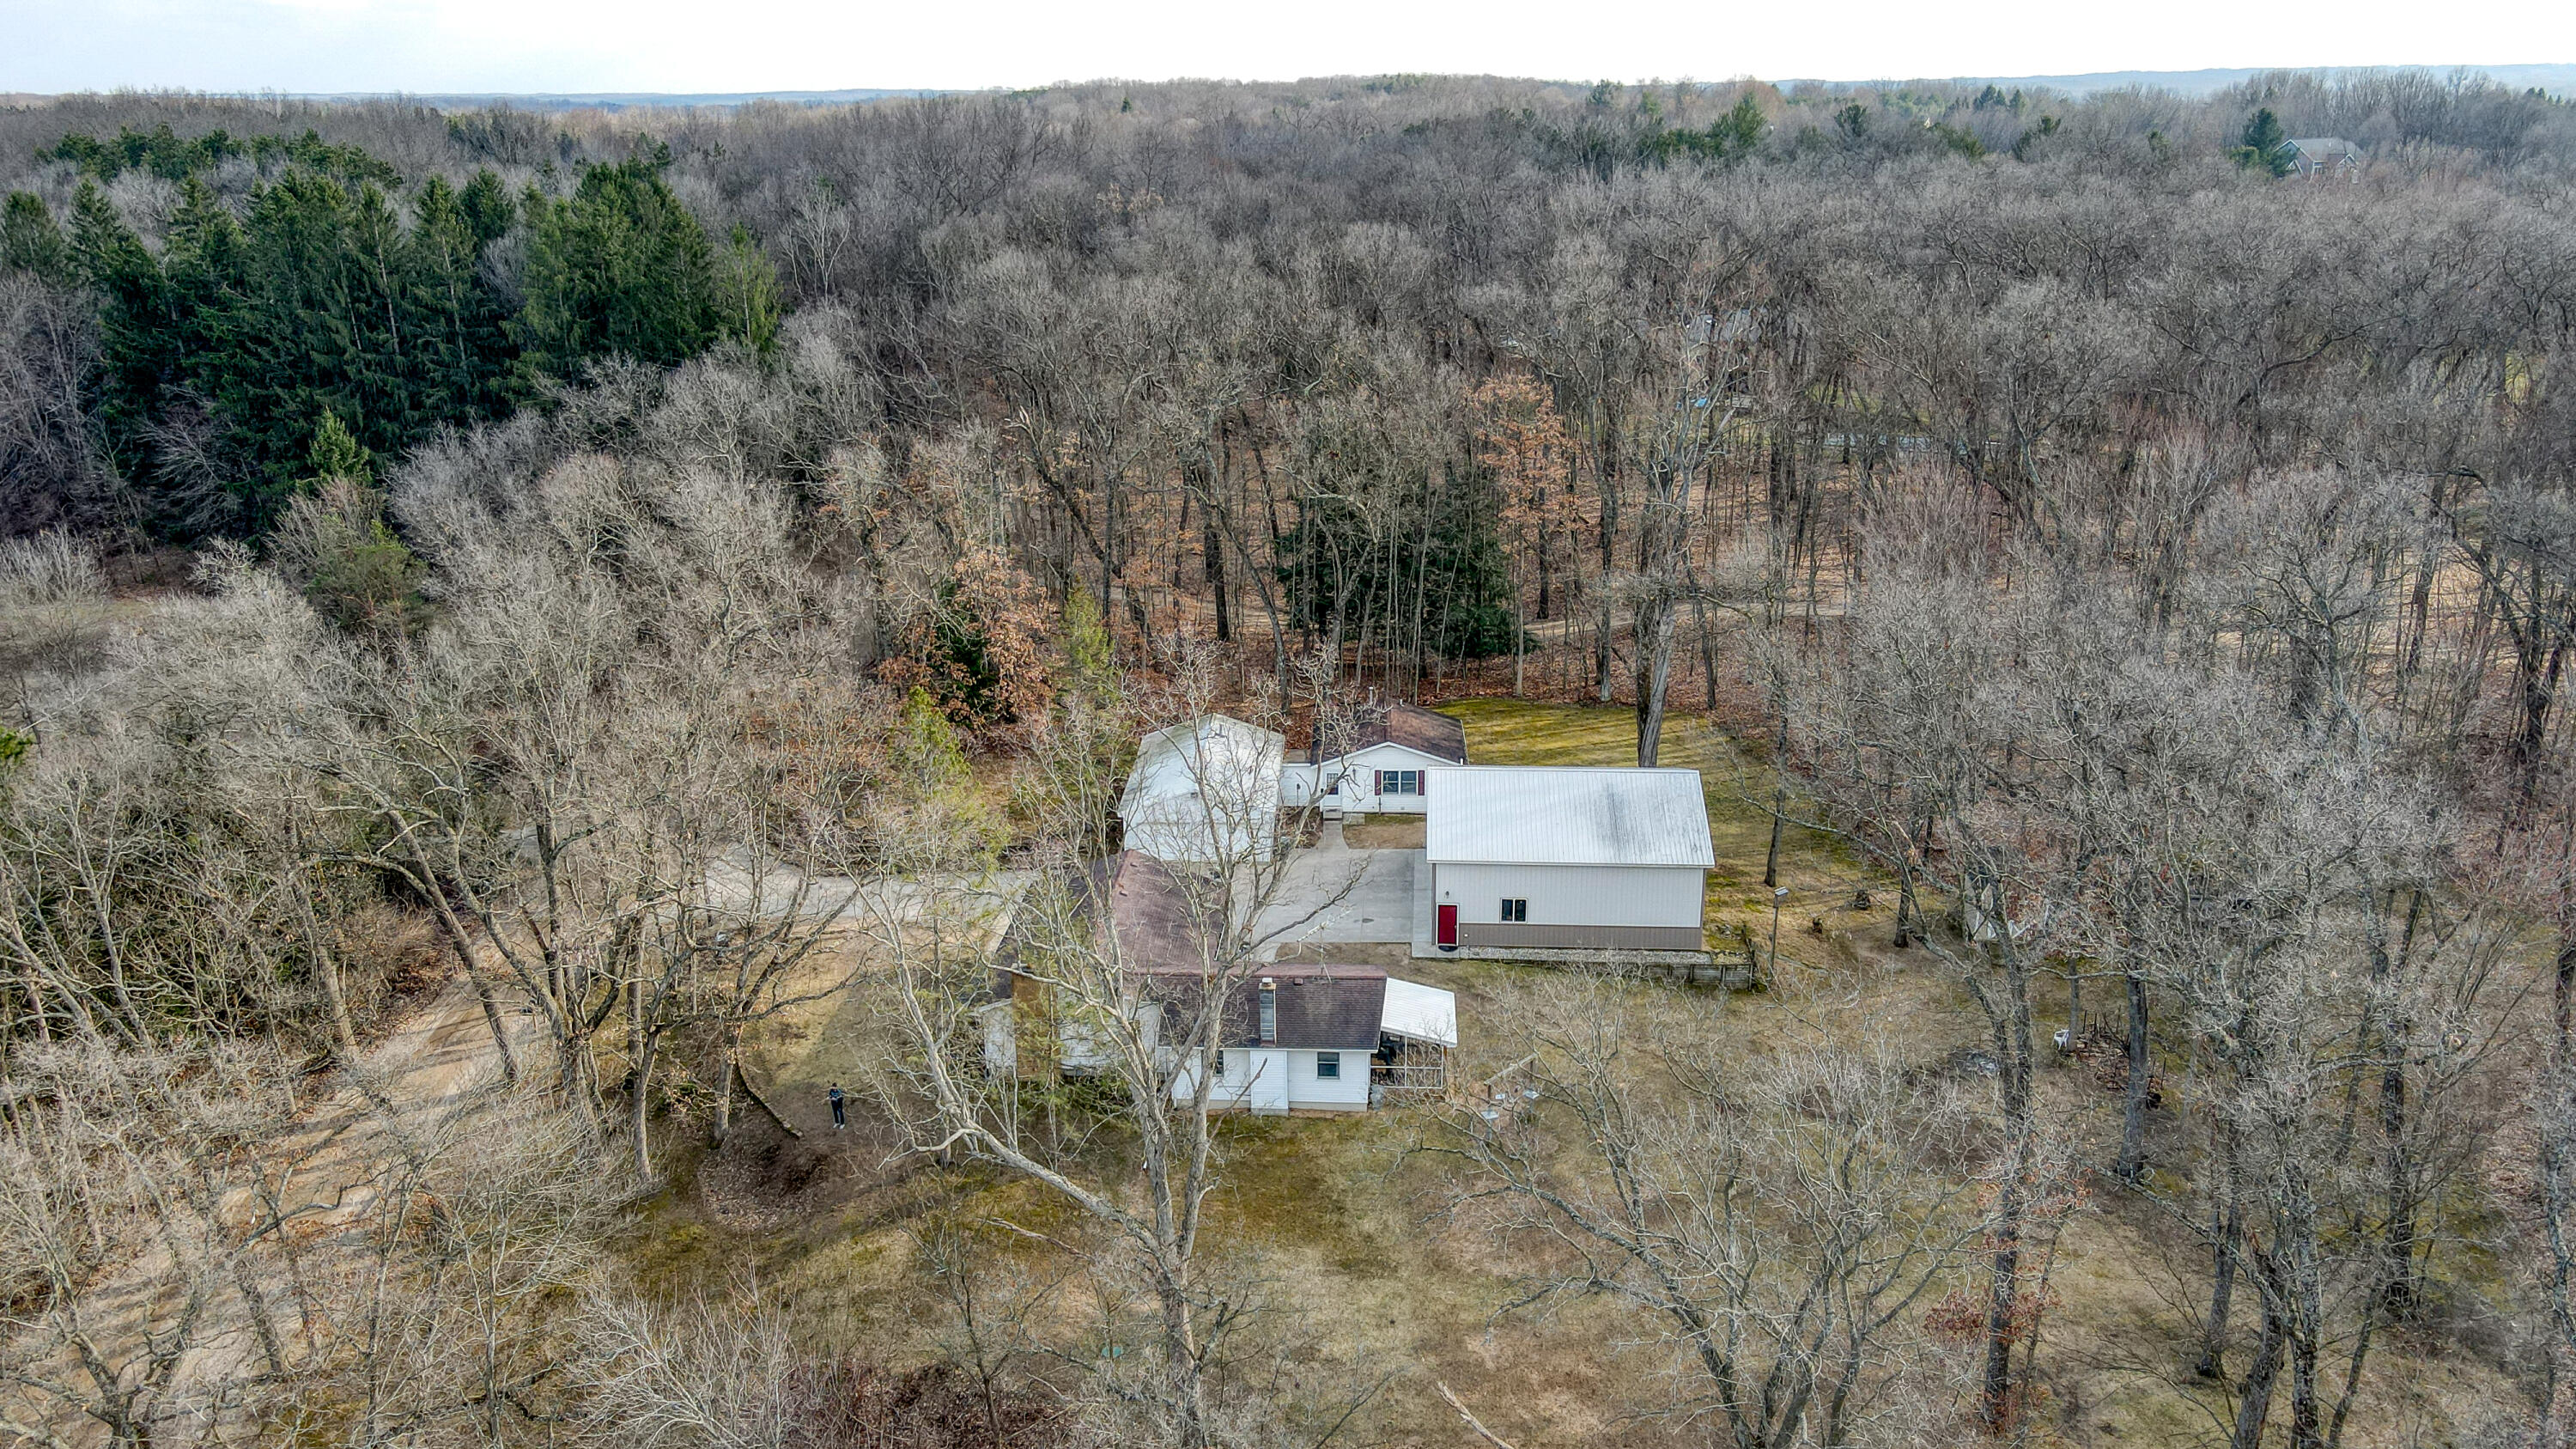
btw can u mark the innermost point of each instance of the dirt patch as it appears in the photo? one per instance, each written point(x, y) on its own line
point(762, 1179)
point(1384, 832)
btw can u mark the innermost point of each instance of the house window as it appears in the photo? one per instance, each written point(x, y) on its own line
point(1399, 782)
point(1220, 1063)
point(1328, 1066)
point(1516, 908)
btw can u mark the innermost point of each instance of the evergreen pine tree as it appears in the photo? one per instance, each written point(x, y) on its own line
point(2265, 145)
point(747, 294)
point(621, 267)
point(30, 241)
point(138, 339)
point(337, 453)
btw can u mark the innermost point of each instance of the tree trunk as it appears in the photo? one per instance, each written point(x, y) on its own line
point(723, 1125)
point(1908, 912)
point(2254, 1397)
point(1181, 1363)
point(2003, 1304)
point(1212, 549)
point(2133, 1118)
point(483, 994)
point(2536, 672)
point(344, 1036)
point(1654, 676)
point(2306, 1420)
point(2226, 1229)
point(2558, 1183)
point(2397, 1293)
point(639, 1050)
point(1602, 654)
point(1780, 809)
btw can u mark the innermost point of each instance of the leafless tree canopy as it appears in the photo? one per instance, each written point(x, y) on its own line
point(2147, 564)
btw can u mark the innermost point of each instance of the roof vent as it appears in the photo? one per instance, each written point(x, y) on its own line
point(1269, 1011)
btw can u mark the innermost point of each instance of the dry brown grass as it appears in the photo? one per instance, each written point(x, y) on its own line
point(1345, 1218)
point(1384, 832)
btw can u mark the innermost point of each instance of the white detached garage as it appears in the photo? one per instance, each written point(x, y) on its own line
point(1567, 859)
point(1206, 791)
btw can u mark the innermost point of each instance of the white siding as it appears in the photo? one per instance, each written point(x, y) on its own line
point(1276, 1079)
point(1204, 792)
point(1352, 779)
point(1573, 895)
point(1001, 1039)
point(1347, 1094)
point(1185, 833)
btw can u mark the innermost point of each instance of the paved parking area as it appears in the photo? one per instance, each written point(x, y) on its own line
point(1335, 893)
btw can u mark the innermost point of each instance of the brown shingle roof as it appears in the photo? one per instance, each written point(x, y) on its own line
point(1320, 1007)
point(1148, 925)
point(1411, 726)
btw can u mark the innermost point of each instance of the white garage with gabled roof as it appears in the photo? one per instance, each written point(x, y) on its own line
point(1545, 858)
point(1205, 791)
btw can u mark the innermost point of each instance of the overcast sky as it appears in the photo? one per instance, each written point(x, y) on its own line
point(744, 45)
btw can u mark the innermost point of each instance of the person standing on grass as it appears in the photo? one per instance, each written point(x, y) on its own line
point(833, 1096)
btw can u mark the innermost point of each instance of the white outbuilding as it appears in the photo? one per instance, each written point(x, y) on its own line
point(1386, 753)
point(1540, 858)
point(1206, 791)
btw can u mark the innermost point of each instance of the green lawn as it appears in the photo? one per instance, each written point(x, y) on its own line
point(1820, 874)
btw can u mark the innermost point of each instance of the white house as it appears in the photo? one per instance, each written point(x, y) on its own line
point(1206, 791)
point(1293, 1037)
point(1296, 1039)
point(1320, 1038)
point(1387, 751)
point(1568, 859)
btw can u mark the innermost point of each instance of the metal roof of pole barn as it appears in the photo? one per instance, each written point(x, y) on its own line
point(1530, 815)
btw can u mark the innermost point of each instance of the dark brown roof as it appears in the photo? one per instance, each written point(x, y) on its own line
point(1149, 925)
point(1320, 1007)
point(1154, 918)
point(1411, 726)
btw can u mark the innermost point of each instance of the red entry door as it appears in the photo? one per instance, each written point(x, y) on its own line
point(1449, 927)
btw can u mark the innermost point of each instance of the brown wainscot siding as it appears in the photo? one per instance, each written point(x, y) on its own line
point(1581, 938)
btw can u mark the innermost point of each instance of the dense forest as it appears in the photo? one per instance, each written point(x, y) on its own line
point(2147, 557)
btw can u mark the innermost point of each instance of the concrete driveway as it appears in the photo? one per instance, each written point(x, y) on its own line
point(1335, 893)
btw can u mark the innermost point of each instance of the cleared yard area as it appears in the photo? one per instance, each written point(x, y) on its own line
point(1346, 1227)
point(1821, 876)
point(1384, 832)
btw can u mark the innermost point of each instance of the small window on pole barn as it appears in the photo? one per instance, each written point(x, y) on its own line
point(1516, 908)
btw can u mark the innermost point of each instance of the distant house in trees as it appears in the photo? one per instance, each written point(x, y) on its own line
point(1387, 751)
point(2316, 155)
point(1527, 858)
point(1206, 791)
point(1292, 1037)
